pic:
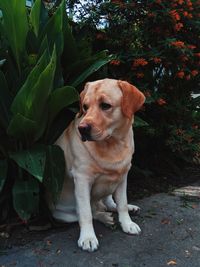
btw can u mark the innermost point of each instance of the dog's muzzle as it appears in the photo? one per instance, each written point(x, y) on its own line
point(85, 132)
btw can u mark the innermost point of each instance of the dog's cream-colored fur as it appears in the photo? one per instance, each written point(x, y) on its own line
point(97, 166)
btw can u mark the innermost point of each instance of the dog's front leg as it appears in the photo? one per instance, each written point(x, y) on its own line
point(128, 226)
point(87, 240)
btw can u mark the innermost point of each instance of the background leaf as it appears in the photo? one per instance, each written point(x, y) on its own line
point(35, 16)
point(138, 122)
point(54, 171)
point(15, 26)
point(22, 127)
point(32, 160)
point(26, 198)
point(60, 98)
point(93, 68)
point(5, 101)
point(3, 173)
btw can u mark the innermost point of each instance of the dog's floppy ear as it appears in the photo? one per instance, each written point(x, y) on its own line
point(132, 99)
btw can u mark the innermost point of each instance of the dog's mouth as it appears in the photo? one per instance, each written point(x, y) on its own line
point(88, 132)
point(85, 138)
point(95, 138)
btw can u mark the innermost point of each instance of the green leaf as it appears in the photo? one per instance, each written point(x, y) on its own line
point(15, 26)
point(26, 198)
point(60, 98)
point(71, 52)
point(3, 173)
point(23, 99)
point(138, 122)
point(93, 68)
point(31, 101)
point(5, 101)
point(44, 46)
point(21, 127)
point(54, 171)
point(35, 16)
point(54, 30)
point(33, 161)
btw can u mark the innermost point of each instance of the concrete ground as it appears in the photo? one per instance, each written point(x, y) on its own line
point(170, 237)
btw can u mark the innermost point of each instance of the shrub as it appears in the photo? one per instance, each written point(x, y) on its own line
point(157, 48)
point(41, 64)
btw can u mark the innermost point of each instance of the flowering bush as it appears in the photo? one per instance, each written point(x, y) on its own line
point(157, 48)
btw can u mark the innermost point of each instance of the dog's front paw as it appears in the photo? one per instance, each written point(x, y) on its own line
point(88, 243)
point(131, 228)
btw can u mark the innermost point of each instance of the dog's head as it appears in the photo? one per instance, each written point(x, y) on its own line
point(106, 108)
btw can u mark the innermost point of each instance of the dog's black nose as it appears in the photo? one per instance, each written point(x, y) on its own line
point(85, 131)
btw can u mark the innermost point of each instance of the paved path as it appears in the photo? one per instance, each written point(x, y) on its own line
point(170, 237)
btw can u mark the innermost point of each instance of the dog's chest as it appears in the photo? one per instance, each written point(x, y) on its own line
point(105, 185)
point(106, 181)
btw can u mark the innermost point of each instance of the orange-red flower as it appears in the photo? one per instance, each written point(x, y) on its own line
point(178, 44)
point(100, 36)
point(191, 46)
point(115, 62)
point(174, 15)
point(180, 131)
point(157, 60)
point(197, 54)
point(139, 62)
point(184, 58)
point(188, 77)
point(178, 26)
point(189, 3)
point(194, 73)
point(180, 74)
point(180, 2)
point(140, 75)
point(195, 126)
point(151, 15)
point(161, 102)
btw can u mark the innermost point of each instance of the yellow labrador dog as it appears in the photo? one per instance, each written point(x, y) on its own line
point(98, 147)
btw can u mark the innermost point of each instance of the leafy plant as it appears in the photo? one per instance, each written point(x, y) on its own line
point(157, 48)
point(41, 64)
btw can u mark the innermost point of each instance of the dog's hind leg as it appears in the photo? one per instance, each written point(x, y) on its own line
point(111, 205)
point(100, 213)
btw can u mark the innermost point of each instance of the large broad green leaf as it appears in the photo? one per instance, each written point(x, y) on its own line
point(3, 173)
point(93, 68)
point(15, 26)
point(61, 98)
point(26, 198)
point(43, 46)
point(35, 16)
point(38, 17)
point(22, 100)
point(5, 101)
point(71, 52)
point(54, 29)
point(21, 127)
point(32, 160)
point(54, 171)
point(31, 100)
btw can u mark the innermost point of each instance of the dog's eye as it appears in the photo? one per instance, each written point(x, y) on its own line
point(105, 106)
point(85, 107)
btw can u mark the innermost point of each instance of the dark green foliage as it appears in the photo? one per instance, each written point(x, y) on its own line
point(41, 63)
